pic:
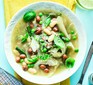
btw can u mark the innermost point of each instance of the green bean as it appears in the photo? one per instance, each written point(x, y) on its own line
point(20, 50)
point(30, 65)
point(33, 60)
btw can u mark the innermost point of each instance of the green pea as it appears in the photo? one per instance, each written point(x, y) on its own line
point(67, 39)
point(40, 14)
point(21, 60)
point(30, 65)
point(33, 60)
point(76, 50)
point(33, 30)
point(61, 35)
point(40, 22)
point(74, 37)
point(41, 40)
point(44, 50)
point(28, 16)
point(69, 62)
point(72, 32)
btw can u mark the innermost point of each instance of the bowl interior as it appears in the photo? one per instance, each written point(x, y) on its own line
point(40, 79)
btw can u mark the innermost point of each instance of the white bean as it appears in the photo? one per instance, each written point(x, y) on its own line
point(16, 52)
point(48, 32)
point(53, 22)
point(32, 70)
point(51, 38)
point(24, 64)
point(26, 61)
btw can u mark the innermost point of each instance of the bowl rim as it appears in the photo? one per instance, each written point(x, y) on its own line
point(38, 81)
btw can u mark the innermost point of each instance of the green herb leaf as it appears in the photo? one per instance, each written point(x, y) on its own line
point(44, 56)
point(47, 21)
point(24, 38)
point(58, 41)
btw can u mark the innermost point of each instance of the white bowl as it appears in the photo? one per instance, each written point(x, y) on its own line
point(62, 75)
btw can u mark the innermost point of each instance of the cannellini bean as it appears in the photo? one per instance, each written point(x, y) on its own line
point(53, 22)
point(32, 70)
point(16, 52)
point(49, 28)
point(26, 61)
point(24, 64)
point(48, 32)
point(54, 33)
point(51, 38)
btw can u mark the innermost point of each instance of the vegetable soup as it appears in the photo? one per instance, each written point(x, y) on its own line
point(45, 42)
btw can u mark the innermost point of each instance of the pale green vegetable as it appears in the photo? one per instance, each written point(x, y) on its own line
point(70, 45)
point(34, 45)
point(58, 42)
point(61, 26)
point(57, 54)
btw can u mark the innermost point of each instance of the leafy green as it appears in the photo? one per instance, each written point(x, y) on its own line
point(69, 62)
point(20, 50)
point(30, 31)
point(44, 56)
point(24, 38)
point(47, 21)
point(58, 42)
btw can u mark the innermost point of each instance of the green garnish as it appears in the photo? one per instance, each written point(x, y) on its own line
point(74, 37)
point(69, 62)
point(21, 60)
point(33, 60)
point(30, 31)
point(40, 22)
point(28, 16)
point(61, 34)
point(47, 21)
point(58, 42)
point(65, 39)
point(40, 14)
point(44, 56)
point(24, 38)
point(20, 50)
point(72, 32)
point(76, 50)
point(30, 65)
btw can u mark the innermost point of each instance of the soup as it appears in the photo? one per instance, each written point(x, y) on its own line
point(45, 42)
